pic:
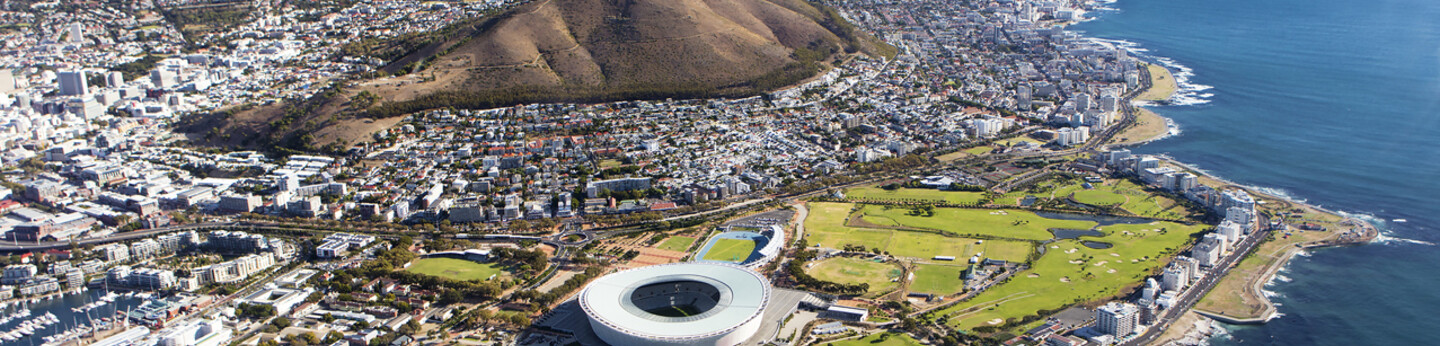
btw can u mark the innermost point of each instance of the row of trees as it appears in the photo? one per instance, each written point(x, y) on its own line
point(574, 283)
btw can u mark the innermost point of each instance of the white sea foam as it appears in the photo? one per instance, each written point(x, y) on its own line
point(1282, 278)
point(1271, 294)
point(1382, 238)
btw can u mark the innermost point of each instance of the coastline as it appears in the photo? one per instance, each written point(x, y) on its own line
point(1255, 286)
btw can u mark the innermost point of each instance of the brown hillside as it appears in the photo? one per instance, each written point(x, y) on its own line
point(589, 51)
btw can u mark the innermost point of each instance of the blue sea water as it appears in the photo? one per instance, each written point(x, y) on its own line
point(1336, 102)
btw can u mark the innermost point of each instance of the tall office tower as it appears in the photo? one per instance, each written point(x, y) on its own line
point(72, 83)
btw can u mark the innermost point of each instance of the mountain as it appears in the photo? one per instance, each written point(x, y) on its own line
point(577, 51)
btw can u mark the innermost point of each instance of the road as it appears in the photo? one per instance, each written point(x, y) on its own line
point(1198, 289)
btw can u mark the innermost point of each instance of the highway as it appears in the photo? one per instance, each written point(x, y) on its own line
point(16, 246)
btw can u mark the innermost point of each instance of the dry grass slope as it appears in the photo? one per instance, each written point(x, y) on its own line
point(558, 51)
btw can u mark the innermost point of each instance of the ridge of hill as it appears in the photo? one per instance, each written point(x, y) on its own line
point(560, 51)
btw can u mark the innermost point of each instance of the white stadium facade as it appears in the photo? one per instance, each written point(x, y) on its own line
point(695, 303)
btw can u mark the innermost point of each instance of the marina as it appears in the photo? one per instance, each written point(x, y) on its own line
point(59, 318)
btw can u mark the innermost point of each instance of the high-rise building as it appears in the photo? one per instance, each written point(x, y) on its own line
point(114, 80)
point(72, 83)
point(1109, 103)
point(7, 80)
point(77, 33)
point(1175, 278)
point(1022, 97)
point(163, 78)
point(1116, 318)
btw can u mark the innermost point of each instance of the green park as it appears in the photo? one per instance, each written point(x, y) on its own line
point(455, 269)
point(880, 275)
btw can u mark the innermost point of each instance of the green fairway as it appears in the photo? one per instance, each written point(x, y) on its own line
point(893, 339)
point(1004, 223)
point(456, 269)
point(925, 246)
point(851, 270)
point(1070, 272)
point(733, 250)
point(1134, 198)
point(676, 243)
point(825, 228)
point(905, 194)
point(1099, 197)
point(941, 279)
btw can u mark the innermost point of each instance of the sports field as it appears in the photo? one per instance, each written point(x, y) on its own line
point(733, 250)
point(456, 269)
point(676, 243)
point(905, 194)
point(825, 228)
point(1003, 223)
point(893, 339)
point(941, 279)
point(855, 270)
point(1070, 272)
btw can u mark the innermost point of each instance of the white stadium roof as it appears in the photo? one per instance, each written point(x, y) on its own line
point(742, 297)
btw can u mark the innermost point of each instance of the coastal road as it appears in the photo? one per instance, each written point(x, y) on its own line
point(1198, 289)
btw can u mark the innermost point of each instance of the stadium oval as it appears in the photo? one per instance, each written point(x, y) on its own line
point(696, 303)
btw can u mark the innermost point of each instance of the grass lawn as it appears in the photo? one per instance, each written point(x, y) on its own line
point(854, 270)
point(1099, 197)
point(894, 339)
point(609, 163)
point(733, 250)
point(928, 245)
point(980, 150)
point(1014, 224)
point(1162, 84)
point(1233, 295)
point(456, 269)
point(1016, 140)
point(825, 228)
point(941, 279)
point(1070, 272)
point(953, 156)
point(676, 243)
point(1148, 125)
point(1136, 200)
point(875, 193)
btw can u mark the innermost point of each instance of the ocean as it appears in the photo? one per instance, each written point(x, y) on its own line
point(1334, 102)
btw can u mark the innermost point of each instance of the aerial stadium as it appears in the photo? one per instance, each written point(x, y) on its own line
point(746, 248)
point(695, 303)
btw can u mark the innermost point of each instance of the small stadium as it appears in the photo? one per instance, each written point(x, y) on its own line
point(744, 247)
